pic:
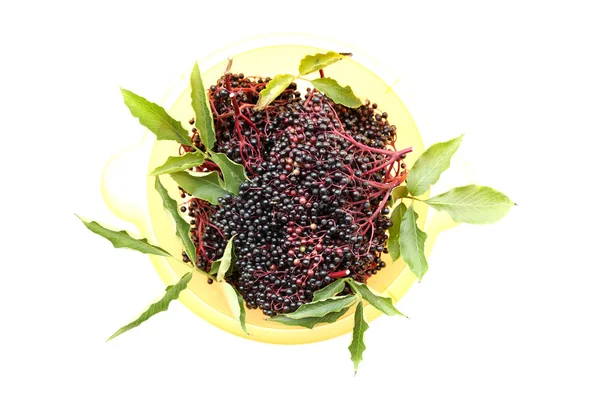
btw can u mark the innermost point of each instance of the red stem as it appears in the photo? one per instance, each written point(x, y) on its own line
point(339, 274)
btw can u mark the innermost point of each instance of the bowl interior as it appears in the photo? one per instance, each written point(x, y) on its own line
point(207, 300)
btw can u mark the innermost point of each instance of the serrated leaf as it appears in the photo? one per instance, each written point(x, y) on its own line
point(412, 244)
point(182, 228)
point(273, 89)
point(235, 301)
point(309, 322)
point(429, 166)
point(181, 163)
point(206, 186)
point(393, 243)
point(225, 261)
point(171, 294)
point(330, 290)
point(312, 63)
point(233, 173)
point(357, 346)
point(122, 239)
point(323, 307)
point(155, 118)
point(473, 204)
point(383, 304)
point(204, 118)
point(337, 93)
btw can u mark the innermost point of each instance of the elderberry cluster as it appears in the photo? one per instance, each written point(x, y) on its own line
point(314, 209)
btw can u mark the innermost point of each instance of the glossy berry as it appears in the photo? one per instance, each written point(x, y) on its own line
point(313, 210)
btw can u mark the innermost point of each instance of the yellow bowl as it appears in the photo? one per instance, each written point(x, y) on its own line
point(266, 56)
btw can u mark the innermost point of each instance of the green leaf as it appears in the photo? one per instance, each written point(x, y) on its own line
point(242, 317)
point(236, 305)
point(181, 163)
point(204, 118)
point(171, 294)
point(318, 61)
point(429, 166)
point(330, 290)
point(214, 267)
point(206, 186)
point(155, 118)
point(122, 239)
point(233, 173)
point(357, 346)
point(383, 304)
point(323, 307)
point(309, 322)
point(182, 228)
point(473, 204)
point(337, 93)
point(412, 244)
point(393, 243)
point(225, 261)
point(399, 192)
point(273, 89)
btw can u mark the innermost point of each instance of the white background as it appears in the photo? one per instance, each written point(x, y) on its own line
point(506, 311)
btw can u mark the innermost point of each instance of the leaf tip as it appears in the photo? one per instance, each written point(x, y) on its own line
point(114, 335)
point(195, 71)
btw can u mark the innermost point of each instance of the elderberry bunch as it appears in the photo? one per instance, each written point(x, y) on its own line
point(315, 207)
point(292, 197)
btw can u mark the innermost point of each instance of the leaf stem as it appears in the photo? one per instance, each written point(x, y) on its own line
point(409, 197)
point(414, 198)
